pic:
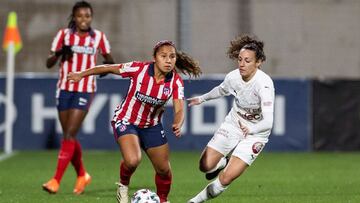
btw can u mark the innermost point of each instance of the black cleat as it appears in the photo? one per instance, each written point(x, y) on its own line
point(214, 174)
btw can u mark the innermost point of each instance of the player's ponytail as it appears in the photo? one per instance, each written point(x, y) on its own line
point(187, 65)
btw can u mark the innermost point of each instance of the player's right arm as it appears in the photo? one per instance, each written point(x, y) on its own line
point(97, 70)
point(58, 49)
point(216, 92)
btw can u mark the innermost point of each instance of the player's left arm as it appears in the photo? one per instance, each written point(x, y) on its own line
point(178, 104)
point(267, 98)
point(178, 116)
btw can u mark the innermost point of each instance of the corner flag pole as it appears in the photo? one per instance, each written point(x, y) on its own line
point(11, 44)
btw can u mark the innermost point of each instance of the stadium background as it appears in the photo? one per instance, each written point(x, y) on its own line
point(312, 53)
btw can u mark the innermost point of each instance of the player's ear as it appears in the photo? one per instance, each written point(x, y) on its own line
point(258, 63)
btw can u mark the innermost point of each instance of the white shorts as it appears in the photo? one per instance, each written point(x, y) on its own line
point(230, 138)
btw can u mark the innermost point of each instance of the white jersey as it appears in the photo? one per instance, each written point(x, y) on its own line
point(252, 99)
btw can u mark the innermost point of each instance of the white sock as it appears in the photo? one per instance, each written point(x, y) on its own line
point(220, 164)
point(212, 190)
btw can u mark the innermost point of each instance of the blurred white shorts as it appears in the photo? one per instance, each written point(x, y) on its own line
point(229, 138)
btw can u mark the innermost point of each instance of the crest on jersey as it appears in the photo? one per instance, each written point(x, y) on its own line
point(257, 147)
point(166, 91)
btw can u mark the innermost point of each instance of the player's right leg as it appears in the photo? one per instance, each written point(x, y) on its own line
point(128, 141)
point(131, 153)
point(211, 162)
point(215, 156)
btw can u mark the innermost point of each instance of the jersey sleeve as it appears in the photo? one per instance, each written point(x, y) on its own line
point(267, 97)
point(225, 86)
point(104, 44)
point(58, 41)
point(130, 69)
point(178, 88)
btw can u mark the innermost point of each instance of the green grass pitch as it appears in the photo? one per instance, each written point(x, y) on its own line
point(273, 178)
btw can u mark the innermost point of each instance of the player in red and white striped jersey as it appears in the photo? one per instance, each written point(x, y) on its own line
point(144, 104)
point(77, 47)
point(137, 120)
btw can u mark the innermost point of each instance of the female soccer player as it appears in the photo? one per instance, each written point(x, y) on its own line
point(77, 47)
point(137, 121)
point(247, 127)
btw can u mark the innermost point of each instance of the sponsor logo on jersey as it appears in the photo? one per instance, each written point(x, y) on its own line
point(83, 49)
point(250, 117)
point(149, 100)
point(82, 101)
point(166, 91)
point(257, 147)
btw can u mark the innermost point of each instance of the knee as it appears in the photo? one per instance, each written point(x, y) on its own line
point(225, 179)
point(70, 133)
point(163, 170)
point(132, 163)
point(205, 166)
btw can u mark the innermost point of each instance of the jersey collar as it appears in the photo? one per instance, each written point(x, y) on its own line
point(151, 72)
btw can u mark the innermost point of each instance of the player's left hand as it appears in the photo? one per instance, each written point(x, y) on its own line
point(74, 77)
point(244, 129)
point(176, 128)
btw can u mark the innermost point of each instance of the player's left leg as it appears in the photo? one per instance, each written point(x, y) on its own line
point(159, 157)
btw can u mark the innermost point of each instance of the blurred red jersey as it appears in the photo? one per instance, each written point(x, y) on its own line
point(85, 49)
point(145, 100)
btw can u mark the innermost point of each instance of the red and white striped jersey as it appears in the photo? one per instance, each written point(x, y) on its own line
point(85, 49)
point(144, 103)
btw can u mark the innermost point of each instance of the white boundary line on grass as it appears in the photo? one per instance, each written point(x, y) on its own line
point(3, 157)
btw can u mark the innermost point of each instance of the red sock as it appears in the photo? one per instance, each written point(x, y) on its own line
point(163, 184)
point(65, 155)
point(125, 174)
point(77, 160)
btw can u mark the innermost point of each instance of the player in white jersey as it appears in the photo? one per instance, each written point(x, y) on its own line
point(245, 131)
point(77, 47)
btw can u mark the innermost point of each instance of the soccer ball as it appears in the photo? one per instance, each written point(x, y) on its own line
point(145, 196)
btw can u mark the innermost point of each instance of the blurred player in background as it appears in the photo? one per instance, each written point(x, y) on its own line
point(76, 47)
point(137, 121)
point(247, 127)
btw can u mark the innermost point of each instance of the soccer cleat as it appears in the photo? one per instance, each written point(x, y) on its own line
point(192, 201)
point(122, 193)
point(214, 174)
point(81, 183)
point(52, 186)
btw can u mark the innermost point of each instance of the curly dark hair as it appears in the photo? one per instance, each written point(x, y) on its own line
point(184, 63)
point(249, 42)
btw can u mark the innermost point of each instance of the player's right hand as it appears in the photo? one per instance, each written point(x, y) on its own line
point(74, 77)
point(66, 53)
point(194, 101)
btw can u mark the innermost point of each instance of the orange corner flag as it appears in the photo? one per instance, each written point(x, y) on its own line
point(12, 33)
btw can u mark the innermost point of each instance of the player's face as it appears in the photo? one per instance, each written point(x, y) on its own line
point(83, 19)
point(165, 58)
point(247, 64)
